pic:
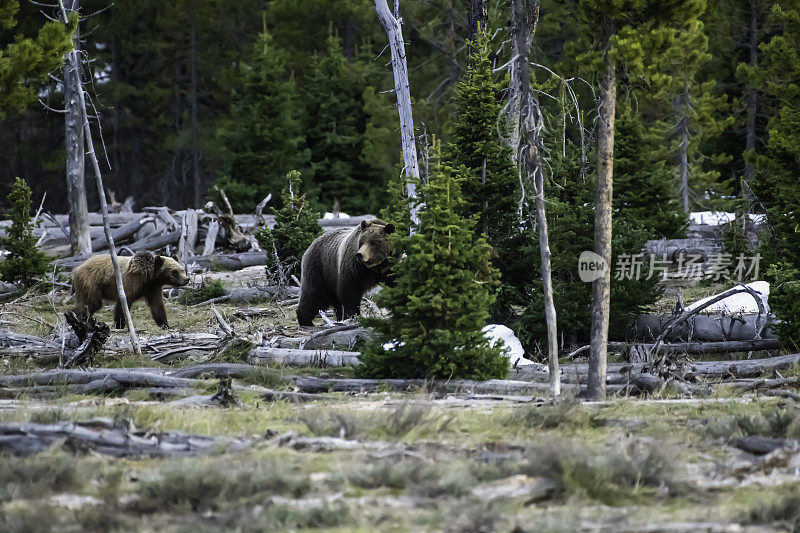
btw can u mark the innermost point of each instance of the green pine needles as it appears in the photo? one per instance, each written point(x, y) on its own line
point(440, 302)
point(295, 229)
point(24, 261)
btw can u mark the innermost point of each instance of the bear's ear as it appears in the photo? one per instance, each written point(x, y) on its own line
point(364, 224)
point(159, 262)
point(388, 228)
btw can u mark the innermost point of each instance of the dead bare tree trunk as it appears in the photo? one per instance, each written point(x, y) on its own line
point(79, 234)
point(601, 287)
point(78, 88)
point(394, 31)
point(682, 109)
point(527, 124)
point(198, 185)
point(752, 108)
point(477, 17)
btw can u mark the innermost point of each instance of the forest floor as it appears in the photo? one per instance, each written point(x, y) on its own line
point(390, 461)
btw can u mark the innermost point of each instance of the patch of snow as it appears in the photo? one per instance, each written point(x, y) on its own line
point(513, 347)
point(717, 218)
point(391, 345)
point(329, 216)
point(736, 303)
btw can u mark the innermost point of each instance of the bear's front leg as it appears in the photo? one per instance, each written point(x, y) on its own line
point(156, 302)
point(119, 316)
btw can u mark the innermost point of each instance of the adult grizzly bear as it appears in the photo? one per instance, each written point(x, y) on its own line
point(143, 276)
point(340, 266)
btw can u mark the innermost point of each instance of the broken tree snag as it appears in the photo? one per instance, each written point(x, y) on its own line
point(234, 237)
point(211, 236)
point(402, 89)
point(188, 236)
point(91, 334)
point(76, 80)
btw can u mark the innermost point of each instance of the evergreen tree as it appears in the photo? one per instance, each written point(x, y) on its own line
point(267, 141)
point(27, 59)
point(24, 261)
point(335, 127)
point(442, 295)
point(491, 189)
point(777, 176)
point(296, 227)
point(644, 188)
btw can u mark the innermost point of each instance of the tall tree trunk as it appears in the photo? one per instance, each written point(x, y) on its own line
point(198, 184)
point(403, 91)
point(752, 107)
point(682, 110)
point(349, 39)
point(477, 17)
point(79, 235)
point(78, 89)
point(601, 287)
point(526, 122)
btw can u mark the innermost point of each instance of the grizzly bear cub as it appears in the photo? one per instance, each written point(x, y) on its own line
point(143, 276)
point(340, 266)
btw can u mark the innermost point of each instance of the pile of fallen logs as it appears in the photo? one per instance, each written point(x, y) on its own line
point(212, 237)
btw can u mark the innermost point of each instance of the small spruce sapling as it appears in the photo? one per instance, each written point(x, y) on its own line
point(440, 301)
point(24, 261)
point(296, 227)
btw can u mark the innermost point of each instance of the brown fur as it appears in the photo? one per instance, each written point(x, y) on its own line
point(340, 266)
point(143, 276)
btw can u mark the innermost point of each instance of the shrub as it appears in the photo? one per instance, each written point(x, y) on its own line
point(24, 261)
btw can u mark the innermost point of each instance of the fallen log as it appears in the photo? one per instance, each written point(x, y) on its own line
point(107, 437)
point(286, 356)
point(121, 234)
point(234, 261)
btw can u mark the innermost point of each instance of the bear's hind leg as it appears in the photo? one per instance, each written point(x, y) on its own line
point(311, 303)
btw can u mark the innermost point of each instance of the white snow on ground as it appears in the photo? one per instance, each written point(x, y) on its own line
point(513, 348)
point(329, 216)
point(717, 218)
point(494, 332)
point(736, 303)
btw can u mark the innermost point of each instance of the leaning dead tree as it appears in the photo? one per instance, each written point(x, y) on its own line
point(601, 287)
point(526, 124)
point(394, 31)
point(79, 235)
point(77, 86)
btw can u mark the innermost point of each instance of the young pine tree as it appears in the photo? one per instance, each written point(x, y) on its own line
point(295, 229)
point(267, 141)
point(442, 295)
point(491, 186)
point(24, 261)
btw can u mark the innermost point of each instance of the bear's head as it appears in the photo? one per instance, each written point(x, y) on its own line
point(373, 242)
point(170, 272)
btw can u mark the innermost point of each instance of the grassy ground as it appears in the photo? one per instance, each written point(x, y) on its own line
point(408, 462)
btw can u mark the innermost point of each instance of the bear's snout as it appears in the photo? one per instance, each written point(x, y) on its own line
point(360, 256)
